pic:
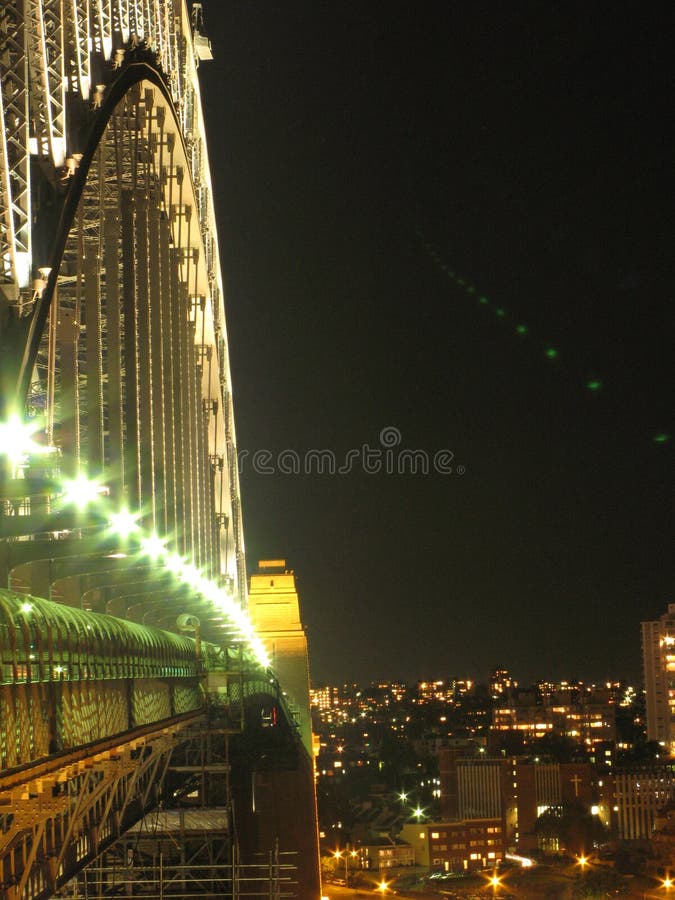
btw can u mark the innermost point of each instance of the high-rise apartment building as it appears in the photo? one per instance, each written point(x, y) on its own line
point(501, 682)
point(641, 794)
point(658, 656)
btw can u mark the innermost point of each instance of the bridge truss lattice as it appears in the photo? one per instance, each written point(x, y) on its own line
point(113, 345)
point(111, 300)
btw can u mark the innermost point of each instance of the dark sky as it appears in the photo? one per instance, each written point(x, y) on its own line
point(362, 151)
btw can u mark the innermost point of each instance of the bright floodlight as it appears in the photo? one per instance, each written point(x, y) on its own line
point(403, 796)
point(190, 575)
point(26, 607)
point(153, 546)
point(212, 593)
point(418, 812)
point(16, 439)
point(261, 654)
point(175, 564)
point(81, 491)
point(124, 523)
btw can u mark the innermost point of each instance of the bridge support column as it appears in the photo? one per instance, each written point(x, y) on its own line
point(277, 806)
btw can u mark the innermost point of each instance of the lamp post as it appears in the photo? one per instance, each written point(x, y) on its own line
point(338, 854)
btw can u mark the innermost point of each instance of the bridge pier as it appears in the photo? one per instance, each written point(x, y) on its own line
point(274, 805)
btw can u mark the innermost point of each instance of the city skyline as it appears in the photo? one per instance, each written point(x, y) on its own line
point(382, 173)
point(469, 679)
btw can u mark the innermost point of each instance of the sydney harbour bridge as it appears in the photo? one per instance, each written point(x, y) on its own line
point(150, 740)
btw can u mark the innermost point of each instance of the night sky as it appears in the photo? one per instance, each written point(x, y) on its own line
point(361, 153)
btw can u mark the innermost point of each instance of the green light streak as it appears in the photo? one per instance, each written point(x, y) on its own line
point(661, 438)
point(592, 384)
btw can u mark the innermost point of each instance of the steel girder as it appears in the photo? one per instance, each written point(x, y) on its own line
point(146, 196)
point(57, 58)
point(15, 235)
point(57, 816)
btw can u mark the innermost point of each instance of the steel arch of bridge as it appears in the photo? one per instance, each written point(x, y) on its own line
point(113, 344)
point(112, 320)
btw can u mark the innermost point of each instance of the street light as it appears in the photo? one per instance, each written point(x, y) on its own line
point(494, 880)
point(347, 853)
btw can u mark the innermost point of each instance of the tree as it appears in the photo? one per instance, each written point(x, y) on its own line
point(560, 748)
point(598, 883)
point(568, 826)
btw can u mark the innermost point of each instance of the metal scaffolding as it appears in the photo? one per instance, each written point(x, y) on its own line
point(183, 855)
